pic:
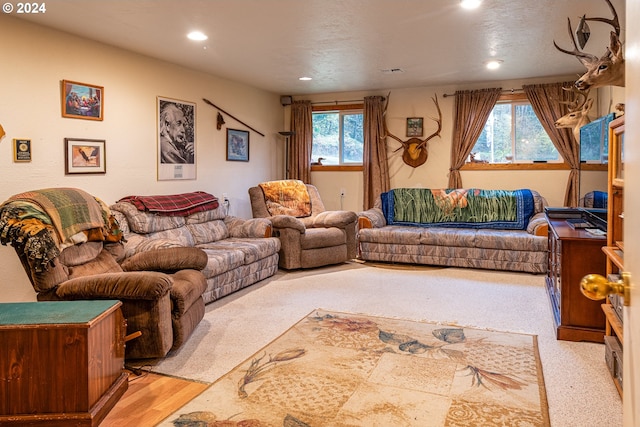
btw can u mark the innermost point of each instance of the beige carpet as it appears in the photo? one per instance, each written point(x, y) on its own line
point(340, 369)
point(579, 388)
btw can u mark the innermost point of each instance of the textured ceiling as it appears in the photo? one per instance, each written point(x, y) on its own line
point(342, 44)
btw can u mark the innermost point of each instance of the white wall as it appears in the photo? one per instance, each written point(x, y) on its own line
point(33, 62)
point(417, 102)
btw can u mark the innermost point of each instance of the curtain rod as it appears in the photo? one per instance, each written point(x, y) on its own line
point(504, 91)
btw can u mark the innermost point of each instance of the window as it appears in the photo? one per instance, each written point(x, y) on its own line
point(513, 134)
point(338, 137)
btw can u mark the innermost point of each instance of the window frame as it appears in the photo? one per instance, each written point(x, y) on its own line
point(513, 97)
point(340, 108)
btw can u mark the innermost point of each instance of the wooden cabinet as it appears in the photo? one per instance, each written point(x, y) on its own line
point(574, 253)
point(614, 250)
point(61, 363)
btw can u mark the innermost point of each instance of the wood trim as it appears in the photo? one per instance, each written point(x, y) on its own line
point(364, 222)
point(514, 166)
point(337, 107)
point(337, 168)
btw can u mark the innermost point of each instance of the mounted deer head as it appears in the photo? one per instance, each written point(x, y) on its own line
point(578, 115)
point(415, 150)
point(607, 70)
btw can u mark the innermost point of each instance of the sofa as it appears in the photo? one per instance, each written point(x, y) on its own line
point(71, 249)
point(239, 252)
point(310, 236)
point(487, 229)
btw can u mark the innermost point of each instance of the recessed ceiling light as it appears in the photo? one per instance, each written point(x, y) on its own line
point(470, 4)
point(305, 79)
point(197, 36)
point(494, 64)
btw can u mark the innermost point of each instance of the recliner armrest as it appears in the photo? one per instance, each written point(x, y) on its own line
point(167, 260)
point(340, 219)
point(286, 221)
point(148, 285)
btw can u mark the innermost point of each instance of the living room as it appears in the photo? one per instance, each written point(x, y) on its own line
point(38, 58)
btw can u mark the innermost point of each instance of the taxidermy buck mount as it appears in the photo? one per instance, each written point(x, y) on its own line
point(578, 114)
point(415, 150)
point(607, 70)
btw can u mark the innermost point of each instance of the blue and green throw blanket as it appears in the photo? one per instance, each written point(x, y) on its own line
point(462, 208)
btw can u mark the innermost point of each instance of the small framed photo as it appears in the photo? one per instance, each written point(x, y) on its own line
point(21, 150)
point(237, 145)
point(82, 101)
point(414, 126)
point(84, 156)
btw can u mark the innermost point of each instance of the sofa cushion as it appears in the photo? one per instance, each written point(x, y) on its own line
point(221, 260)
point(143, 222)
point(510, 240)
point(252, 249)
point(400, 234)
point(103, 263)
point(443, 236)
point(80, 254)
point(323, 237)
point(206, 232)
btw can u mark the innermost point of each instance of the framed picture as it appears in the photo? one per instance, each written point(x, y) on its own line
point(176, 139)
point(84, 156)
point(21, 150)
point(237, 145)
point(82, 101)
point(414, 126)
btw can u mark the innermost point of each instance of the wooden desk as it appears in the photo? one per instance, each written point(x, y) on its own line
point(572, 255)
point(61, 363)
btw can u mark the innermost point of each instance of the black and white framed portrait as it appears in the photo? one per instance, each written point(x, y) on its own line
point(176, 139)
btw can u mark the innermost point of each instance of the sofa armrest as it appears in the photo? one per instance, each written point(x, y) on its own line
point(538, 225)
point(286, 221)
point(372, 218)
point(254, 227)
point(167, 260)
point(148, 285)
point(340, 219)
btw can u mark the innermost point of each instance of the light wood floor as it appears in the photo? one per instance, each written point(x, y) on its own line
point(151, 398)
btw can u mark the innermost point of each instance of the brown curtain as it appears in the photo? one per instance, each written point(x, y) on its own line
point(545, 100)
point(376, 167)
point(299, 160)
point(471, 110)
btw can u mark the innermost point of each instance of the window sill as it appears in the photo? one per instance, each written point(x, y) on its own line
point(337, 168)
point(514, 166)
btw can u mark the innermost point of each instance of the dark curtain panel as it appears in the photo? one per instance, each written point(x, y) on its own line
point(299, 160)
point(545, 100)
point(471, 110)
point(376, 167)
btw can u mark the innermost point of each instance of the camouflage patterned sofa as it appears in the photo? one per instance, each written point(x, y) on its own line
point(240, 252)
point(521, 248)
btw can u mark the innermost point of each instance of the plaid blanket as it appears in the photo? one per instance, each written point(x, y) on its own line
point(174, 204)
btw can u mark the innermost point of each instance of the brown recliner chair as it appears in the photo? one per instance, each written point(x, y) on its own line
point(310, 236)
point(69, 245)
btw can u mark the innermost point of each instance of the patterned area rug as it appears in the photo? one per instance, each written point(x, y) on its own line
point(339, 369)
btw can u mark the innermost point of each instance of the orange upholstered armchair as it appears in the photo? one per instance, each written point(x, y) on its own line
point(310, 236)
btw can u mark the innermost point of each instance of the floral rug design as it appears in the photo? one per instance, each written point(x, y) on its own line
point(340, 369)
